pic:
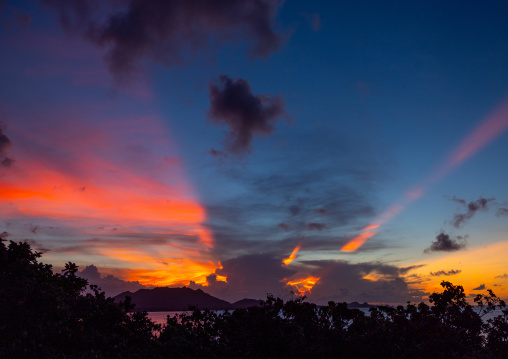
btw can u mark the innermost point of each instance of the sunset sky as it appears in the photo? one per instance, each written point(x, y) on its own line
point(354, 151)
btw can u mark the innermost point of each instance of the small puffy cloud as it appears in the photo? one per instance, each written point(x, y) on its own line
point(316, 226)
point(502, 212)
point(232, 103)
point(444, 243)
point(445, 272)
point(109, 284)
point(502, 276)
point(480, 287)
point(472, 207)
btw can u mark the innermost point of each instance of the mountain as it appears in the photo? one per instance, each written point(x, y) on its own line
point(360, 305)
point(245, 303)
point(179, 299)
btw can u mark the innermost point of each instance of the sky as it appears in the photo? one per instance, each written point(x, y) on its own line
point(346, 151)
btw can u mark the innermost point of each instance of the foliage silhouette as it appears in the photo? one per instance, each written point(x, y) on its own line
point(49, 315)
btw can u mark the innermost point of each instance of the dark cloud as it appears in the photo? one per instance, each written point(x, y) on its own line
point(109, 284)
point(502, 212)
point(7, 162)
point(459, 200)
point(502, 276)
point(316, 226)
point(444, 243)
point(472, 207)
point(5, 144)
point(250, 276)
point(168, 31)
point(480, 287)
point(342, 281)
point(36, 245)
point(217, 153)
point(283, 226)
point(232, 103)
point(445, 273)
point(321, 211)
point(34, 228)
point(405, 270)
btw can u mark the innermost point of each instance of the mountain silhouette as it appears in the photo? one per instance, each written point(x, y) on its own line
point(179, 299)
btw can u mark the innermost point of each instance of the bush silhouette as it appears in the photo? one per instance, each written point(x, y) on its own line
point(49, 315)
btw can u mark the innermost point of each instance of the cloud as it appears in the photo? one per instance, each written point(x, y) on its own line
point(502, 212)
point(109, 284)
point(502, 276)
point(234, 104)
point(342, 281)
point(217, 153)
point(166, 32)
point(250, 276)
point(446, 273)
point(444, 243)
point(480, 287)
point(321, 211)
point(5, 144)
point(316, 226)
point(472, 207)
point(283, 226)
point(335, 178)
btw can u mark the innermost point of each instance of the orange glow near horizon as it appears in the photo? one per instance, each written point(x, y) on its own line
point(478, 265)
point(304, 285)
point(292, 256)
point(484, 133)
point(131, 207)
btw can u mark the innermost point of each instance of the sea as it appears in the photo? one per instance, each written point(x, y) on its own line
point(160, 317)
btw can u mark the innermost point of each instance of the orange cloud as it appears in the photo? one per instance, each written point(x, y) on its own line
point(292, 256)
point(103, 175)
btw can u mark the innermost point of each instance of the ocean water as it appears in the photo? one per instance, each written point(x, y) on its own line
point(160, 317)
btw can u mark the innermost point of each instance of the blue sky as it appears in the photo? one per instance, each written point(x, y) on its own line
point(368, 99)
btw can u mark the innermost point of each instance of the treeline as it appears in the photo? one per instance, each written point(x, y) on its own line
point(46, 315)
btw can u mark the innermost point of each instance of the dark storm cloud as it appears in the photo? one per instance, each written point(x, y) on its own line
point(167, 31)
point(250, 276)
point(444, 243)
point(109, 284)
point(480, 287)
point(472, 207)
point(232, 103)
point(502, 212)
point(445, 273)
point(313, 226)
point(342, 281)
point(5, 144)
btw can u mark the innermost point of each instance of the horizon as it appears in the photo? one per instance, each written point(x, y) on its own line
point(345, 152)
